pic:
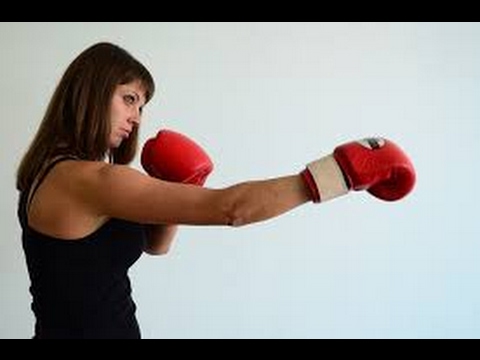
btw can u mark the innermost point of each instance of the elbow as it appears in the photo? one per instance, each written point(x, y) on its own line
point(236, 217)
point(237, 211)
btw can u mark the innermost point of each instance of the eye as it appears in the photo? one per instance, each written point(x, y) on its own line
point(129, 99)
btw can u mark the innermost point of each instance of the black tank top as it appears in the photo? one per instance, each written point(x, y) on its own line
point(80, 288)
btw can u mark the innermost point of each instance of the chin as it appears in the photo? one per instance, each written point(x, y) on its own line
point(115, 143)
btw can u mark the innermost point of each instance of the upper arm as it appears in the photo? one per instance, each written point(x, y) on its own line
point(122, 192)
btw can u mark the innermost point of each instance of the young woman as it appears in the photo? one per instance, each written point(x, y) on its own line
point(87, 216)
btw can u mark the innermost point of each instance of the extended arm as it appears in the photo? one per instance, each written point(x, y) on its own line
point(252, 202)
point(125, 193)
point(376, 165)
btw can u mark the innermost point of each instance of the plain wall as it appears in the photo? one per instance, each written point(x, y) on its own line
point(264, 99)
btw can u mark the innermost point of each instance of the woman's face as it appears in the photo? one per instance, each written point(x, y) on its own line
point(126, 111)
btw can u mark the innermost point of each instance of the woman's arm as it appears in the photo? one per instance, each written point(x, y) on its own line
point(257, 201)
point(160, 239)
point(122, 192)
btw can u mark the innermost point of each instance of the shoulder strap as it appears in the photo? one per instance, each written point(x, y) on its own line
point(43, 173)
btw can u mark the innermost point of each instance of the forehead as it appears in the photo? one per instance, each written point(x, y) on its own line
point(135, 86)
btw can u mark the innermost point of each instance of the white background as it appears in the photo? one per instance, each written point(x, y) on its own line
point(264, 99)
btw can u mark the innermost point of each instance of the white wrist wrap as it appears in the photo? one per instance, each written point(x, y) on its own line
point(328, 177)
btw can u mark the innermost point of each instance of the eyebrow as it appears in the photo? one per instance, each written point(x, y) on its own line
point(137, 96)
point(133, 91)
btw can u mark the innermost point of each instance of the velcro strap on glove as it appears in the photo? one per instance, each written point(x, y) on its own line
point(328, 177)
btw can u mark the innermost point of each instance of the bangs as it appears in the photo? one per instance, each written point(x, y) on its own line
point(144, 77)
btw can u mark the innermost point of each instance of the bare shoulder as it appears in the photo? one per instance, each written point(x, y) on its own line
point(121, 191)
point(91, 181)
point(94, 175)
point(55, 209)
point(74, 175)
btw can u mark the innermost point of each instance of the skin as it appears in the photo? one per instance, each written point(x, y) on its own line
point(126, 113)
point(90, 191)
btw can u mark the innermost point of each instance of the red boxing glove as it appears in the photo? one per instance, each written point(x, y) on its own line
point(375, 164)
point(171, 156)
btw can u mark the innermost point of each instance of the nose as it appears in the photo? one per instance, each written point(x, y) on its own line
point(135, 117)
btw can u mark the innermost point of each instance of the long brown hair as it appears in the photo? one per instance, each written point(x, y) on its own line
point(77, 120)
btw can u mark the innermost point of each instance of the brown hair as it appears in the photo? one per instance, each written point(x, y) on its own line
point(77, 120)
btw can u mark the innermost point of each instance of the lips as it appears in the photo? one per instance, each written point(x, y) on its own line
point(126, 132)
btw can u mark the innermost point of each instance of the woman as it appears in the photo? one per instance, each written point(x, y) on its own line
point(87, 216)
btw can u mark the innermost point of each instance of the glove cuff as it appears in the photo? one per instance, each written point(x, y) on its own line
point(328, 178)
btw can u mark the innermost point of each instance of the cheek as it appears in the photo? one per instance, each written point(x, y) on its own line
point(115, 118)
point(116, 111)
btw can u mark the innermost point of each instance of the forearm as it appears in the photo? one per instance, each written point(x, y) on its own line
point(257, 201)
point(160, 238)
point(249, 202)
